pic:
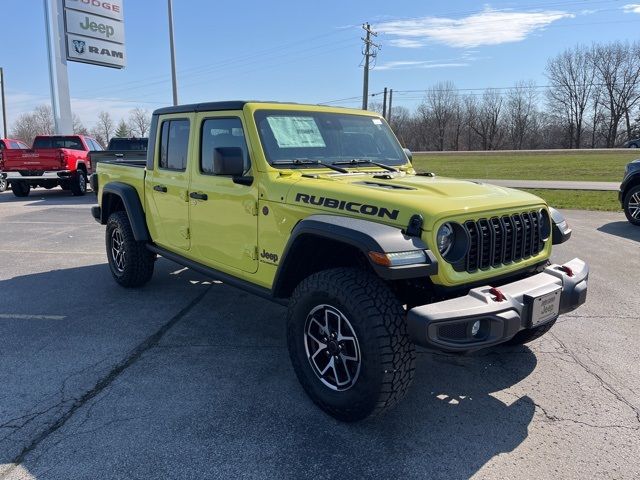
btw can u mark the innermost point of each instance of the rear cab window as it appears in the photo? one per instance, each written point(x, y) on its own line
point(174, 144)
point(72, 143)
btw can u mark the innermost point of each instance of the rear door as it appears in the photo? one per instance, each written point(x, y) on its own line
point(167, 184)
point(223, 214)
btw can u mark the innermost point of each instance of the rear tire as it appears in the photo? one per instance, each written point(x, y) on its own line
point(351, 318)
point(20, 189)
point(632, 205)
point(3, 184)
point(79, 183)
point(131, 263)
point(530, 334)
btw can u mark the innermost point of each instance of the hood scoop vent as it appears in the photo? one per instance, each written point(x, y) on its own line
point(385, 186)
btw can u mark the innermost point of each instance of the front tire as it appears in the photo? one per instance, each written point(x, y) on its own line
point(348, 343)
point(632, 205)
point(131, 263)
point(3, 184)
point(20, 189)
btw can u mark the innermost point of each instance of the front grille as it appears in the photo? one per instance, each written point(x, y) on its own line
point(501, 240)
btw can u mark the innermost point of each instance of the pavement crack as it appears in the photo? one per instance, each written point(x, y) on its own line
point(609, 388)
point(134, 355)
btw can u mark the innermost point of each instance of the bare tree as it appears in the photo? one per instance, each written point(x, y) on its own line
point(38, 122)
point(485, 118)
point(438, 110)
point(571, 76)
point(104, 127)
point(78, 126)
point(520, 112)
point(139, 121)
point(617, 66)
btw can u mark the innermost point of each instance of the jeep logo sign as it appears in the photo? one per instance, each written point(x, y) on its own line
point(89, 50)
point(110, 9)
point(94, 26)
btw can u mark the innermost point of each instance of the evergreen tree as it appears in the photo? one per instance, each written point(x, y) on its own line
point(123, 130)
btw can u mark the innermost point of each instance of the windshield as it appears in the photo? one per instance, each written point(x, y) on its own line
point(327, 138)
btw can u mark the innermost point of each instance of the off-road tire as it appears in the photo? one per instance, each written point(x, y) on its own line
point(379, 323)
point(530, 334)
point(136, 267)
point(3, 184)
point(20, 189)
point(79, 183)
point(632, 196)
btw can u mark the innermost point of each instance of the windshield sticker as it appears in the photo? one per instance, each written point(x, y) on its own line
point(377, 121)
point(296, 132)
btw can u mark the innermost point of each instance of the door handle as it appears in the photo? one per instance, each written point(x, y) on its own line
point(198, 196)
point(160, 188)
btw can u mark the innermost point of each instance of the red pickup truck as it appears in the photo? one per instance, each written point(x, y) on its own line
point(53, 160)
point(9, 144)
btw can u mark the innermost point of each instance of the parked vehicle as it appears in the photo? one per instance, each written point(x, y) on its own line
point(123, 149)
point(8, 144)
point(319, 209)
point(52, 160)
point(633, 143)
point(629, 195)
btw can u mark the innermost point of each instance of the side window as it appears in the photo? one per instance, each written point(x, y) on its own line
point(22, 146)
point(94, 144)
point(220, 133)
point(174, 145)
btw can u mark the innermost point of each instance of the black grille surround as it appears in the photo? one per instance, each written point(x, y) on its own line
point(498, 241)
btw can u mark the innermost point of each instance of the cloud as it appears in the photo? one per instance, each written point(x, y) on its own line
point(631, 8)
point(490, 27)
point(411, 64)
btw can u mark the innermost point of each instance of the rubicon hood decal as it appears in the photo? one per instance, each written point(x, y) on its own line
point(347, 206)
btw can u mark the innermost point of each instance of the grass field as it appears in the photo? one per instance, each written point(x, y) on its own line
point(581, 165)
point(579, 199)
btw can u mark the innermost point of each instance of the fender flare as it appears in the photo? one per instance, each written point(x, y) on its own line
point(365, 235)
point(132, 205)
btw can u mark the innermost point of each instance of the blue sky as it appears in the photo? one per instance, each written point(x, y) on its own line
point(308, 51)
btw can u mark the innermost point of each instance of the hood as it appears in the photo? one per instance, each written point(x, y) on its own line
point(393, 199)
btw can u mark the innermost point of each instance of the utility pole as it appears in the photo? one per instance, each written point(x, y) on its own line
point(4, 108)
point(368, 53)
point(384, 104)
point(390, 101)
point(173, 55)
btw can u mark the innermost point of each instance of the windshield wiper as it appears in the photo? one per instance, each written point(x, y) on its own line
point(360, 161)
point(301, 161)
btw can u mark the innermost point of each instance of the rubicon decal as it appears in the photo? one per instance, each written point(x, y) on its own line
point(353, 207)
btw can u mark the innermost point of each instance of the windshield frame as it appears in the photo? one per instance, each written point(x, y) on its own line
point(397, 162)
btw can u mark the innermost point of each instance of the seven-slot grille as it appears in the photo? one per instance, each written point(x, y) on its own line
point(499, 240)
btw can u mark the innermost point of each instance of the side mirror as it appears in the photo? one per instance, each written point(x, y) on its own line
point(228, 161)
point(409, 155)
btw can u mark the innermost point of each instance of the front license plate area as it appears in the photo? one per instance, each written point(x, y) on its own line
point(545, 308)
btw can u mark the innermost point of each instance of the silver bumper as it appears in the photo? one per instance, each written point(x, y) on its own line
point(502, 312)
point(47, 175)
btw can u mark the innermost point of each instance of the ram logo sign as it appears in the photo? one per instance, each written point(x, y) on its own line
point(78, 46)
point(95, 51)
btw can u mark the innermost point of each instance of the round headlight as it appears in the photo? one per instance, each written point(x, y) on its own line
point(445, 238)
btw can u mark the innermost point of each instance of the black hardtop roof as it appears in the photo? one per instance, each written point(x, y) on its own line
point(214, 106)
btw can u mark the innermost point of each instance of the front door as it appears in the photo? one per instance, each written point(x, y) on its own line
point(223, 213)
point(167, 186)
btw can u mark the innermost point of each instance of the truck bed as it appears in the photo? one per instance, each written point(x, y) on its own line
point(131, 172)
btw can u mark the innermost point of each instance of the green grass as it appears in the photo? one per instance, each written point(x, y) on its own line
point(582, 165)
point(579, 199)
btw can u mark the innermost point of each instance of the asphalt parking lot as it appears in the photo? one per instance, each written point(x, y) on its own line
point(187, 378)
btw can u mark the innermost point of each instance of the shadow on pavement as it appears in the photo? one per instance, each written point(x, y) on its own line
point(54, 196)
point(622, 229)
point(216, 396)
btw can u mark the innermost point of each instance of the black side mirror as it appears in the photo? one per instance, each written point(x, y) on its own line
point(408, 153)
point(228, 161)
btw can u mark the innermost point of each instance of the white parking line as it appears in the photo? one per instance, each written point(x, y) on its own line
point(54, 252)
point(20, 316)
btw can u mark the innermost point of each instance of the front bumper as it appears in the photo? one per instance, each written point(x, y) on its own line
point(46, 175)
point(447, 325)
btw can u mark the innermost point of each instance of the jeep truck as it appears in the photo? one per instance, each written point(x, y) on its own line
point(53, 160)
point(320, 209)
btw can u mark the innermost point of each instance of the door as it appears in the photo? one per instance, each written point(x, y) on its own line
point(223, 213)
point(166, 186)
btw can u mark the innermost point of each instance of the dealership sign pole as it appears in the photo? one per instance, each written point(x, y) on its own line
point(60, 100)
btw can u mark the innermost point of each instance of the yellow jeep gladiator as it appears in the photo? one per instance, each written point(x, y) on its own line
point(320, 209)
